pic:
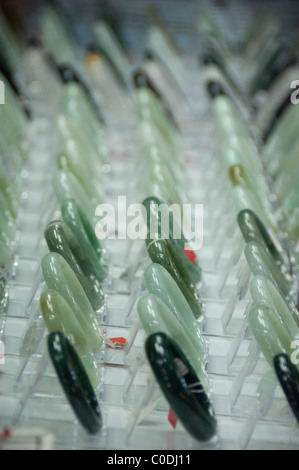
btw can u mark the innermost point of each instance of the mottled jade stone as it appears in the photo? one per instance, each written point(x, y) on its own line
point(57, 241)
point(159, 254)
point(288, 376)
point(269, 333)
point(156, 317)
point(59, 276)
point(66, 186)
point(176, 243)
point(253, 229)
point(264, 292)
point(261, 263)
point(75, 382)
point(90, 184)
point(9, 192)
point(181, 386)
point(59, 316)
point(85, 244)
point(161, 284)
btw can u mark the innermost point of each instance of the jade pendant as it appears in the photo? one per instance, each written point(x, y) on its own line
point(160, 283)
point(159, 254)
point(269, 333)
point(59, 276)
point(288, 376)
point(84, 243)
point(59, 316)
point(57, 241)
point(156, 317)
point(181, 386)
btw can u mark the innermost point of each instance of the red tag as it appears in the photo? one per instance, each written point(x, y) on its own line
point(117, 342)
point(191, 255)
point(6, 434)
point(172, 418)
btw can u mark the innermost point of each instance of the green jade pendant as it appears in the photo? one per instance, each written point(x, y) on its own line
point(57, 241)
point(59, 316)
point(59, 276)
point(156, 317)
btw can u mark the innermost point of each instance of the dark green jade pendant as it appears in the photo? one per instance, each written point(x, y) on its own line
point(57, 241)
point(83, 241)
point(288, 377)
point(75, 382)
point(253, 230)
point(159, 254)
point(181, 386)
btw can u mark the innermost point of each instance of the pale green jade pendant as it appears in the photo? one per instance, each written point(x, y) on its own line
point(264, 293)
point(269, 333)
point(66, 186)
point(90, 184)
point(262, 263)
point(160, 283)
point(5, 254)
point(57, 241)
point(59, 316)
point(59, 276)
point(84, 243)
point(156, 317)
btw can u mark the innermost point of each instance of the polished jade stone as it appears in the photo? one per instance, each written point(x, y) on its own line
point(156, 154)
point(291, 200)
point(59, 316)
point(161, 284)
point(175, 243)
point(149, 108)
point(288, 376)
point(75, 382)
point(160, 175)
point(77, 105)
point(66, 186)
point(156, 317)
point(269, 333)
point(85, 244)
point(91, 186)
point(244, 198)
point(59, 276)
point(253, 229)
point(181, 386)
point(159, 254)
point(261, 263)
point(75, 142)
point(292, 225)
point(264, 292)
point(57, 241)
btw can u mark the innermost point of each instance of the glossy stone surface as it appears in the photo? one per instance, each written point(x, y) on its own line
point(253, 230)
point(57, 241)
point(85, 244)
point(156, 317)
point(59, 276)
point(160, 283)
point(261, 263)
point(181, 386)
point(59, 316)
point(264, 293)
point(75, 382)
point(90, 184)
point(288, 376)
point(270, 334)
point(159, 254)
point(66, 186)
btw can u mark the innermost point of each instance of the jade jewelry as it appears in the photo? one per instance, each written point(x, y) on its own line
point(75, 382)
point(181, 386)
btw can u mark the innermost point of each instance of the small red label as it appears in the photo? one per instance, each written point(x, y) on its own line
point(191, 255)
point(172, 418)
point(117, 342)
